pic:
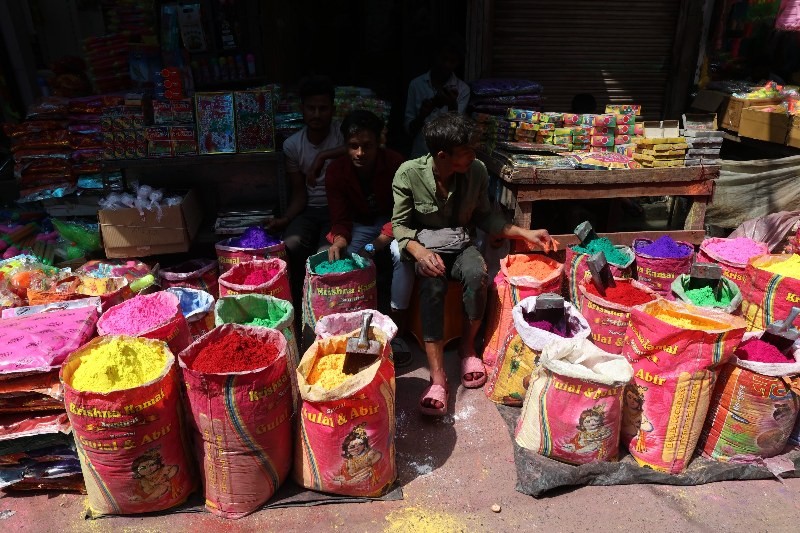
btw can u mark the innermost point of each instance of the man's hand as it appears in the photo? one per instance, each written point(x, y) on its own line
point(277, 225)
point(430, 264)
point(541, 238)
point(335, 251)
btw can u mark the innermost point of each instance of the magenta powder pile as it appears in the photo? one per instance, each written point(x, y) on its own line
point(738, 250)
point(556, 329)
point(140, 314)
point(664, 248)
point(759, 351)
point(254, 237)
point(259, 277)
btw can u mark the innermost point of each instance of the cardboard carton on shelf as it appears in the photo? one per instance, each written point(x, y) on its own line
point(126, 233)
point(765, 124)
point(793, 139)
point(729, 108)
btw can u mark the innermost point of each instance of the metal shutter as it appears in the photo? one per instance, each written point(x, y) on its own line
point(618, 50)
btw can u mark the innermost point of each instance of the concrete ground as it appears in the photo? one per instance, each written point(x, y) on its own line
point(452, 471)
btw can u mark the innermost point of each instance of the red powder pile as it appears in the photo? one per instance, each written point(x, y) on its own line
point(758, 351)
point(259, 277)
point(534, 269)
point(623, 294)
point(234, 353)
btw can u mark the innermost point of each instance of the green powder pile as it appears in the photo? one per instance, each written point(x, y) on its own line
point(704, 297)
point(601, 244)
point(262, 322)
point(338, 267)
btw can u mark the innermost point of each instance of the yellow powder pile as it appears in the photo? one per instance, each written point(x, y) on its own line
point(327, 371)
point(118, 364)
point(687, 322)
point(789, 268)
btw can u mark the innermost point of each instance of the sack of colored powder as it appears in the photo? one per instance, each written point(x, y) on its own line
point(197, 307)
point(124, 402)
point(520, 276)
point(731, 254)
point(517, 365)
point(573, 408)
point(268, 276)
point(346, 429)
point(263, 311)
point(620, 261)
point(730, 297)
point(771, 289)
point(754, 406)
point(675, 350)
point(336, 292)
point(239, 397)
point(343, 323)
point(608, 315)
point(230, 253)
point(660, 262)
point(41, 341)
point(201, 274)
point(152, 316)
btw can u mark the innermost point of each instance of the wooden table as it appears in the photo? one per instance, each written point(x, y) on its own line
point(525, 185)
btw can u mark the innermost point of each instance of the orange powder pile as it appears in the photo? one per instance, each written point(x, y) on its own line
point(534, 269)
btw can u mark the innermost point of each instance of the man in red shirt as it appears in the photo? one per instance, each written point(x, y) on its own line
point(359, 190)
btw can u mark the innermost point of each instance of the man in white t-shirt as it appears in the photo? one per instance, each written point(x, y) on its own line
point(306, 221)
point(436, 92)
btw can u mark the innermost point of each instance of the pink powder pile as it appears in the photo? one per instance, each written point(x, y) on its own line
point(259, 277)
point(758, 351)
point(139, 315)
point(738, 250)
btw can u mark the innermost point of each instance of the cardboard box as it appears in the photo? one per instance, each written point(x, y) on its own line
point(764, 124)
point(732, 117)
point(793, 139)
point(125, 233)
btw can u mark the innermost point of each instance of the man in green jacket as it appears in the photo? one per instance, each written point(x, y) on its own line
point(439, 199)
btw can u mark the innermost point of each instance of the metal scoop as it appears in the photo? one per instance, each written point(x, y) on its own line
point(781, 333)
point(706, 275)
point(601, 272)
point(361, 352)
point(585, 232)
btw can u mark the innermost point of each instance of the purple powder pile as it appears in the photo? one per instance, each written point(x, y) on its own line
point(665, 248)
point(255, 237)
point(559, 329)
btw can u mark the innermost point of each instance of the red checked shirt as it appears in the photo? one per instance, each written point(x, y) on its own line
point(349, 202)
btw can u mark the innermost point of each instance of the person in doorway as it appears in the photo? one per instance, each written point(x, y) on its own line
point(359, 189)
point(308, 152)
point(439, 199)
point(436, 92)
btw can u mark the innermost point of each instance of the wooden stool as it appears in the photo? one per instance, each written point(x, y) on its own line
point(453, 313)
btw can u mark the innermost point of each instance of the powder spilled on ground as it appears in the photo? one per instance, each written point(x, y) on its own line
point(419, 520)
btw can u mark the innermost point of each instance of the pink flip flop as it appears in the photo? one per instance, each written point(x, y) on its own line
point(437, 393)
point(472, 365)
